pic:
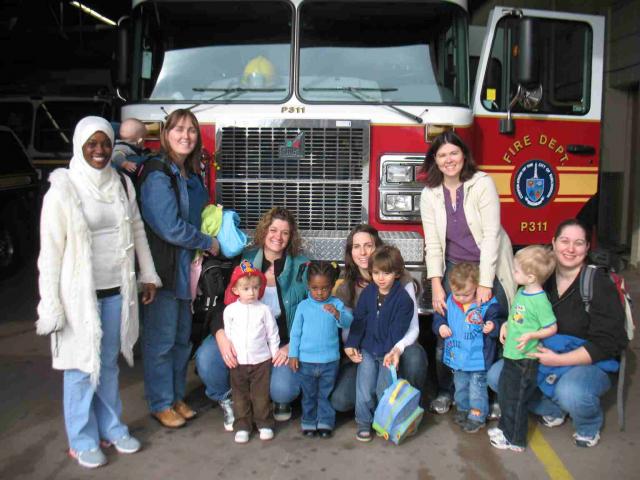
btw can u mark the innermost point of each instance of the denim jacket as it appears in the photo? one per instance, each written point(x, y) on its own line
point(170, 222)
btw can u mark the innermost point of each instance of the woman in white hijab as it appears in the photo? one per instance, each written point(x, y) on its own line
point(90, 228)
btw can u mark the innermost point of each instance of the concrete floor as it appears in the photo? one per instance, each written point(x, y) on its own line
point(34, 443)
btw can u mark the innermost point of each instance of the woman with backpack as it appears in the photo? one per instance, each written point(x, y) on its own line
point(90, 230)
point(600, 332)
point(276, 251)
point(172, 195)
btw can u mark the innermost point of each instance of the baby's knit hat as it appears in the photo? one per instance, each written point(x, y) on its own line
point(245, 269)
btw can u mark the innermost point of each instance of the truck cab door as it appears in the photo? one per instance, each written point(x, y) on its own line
point(537, 106)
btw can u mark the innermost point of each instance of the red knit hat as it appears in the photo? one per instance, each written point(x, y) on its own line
point(245, 269)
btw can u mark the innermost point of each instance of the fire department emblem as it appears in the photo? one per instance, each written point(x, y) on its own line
point(535, 183)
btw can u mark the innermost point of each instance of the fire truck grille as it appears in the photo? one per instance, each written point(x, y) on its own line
point(322, 178)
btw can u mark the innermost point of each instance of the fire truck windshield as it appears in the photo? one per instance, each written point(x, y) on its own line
point(192, 49)
point(398, 52)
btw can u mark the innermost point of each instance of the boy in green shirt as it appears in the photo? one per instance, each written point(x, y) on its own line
point(531, 319)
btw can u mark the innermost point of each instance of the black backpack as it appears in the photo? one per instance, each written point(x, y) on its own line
point(209, 302)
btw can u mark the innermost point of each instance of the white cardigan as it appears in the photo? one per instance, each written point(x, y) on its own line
point(68, 306)
point(252, 330)
point(482, 211)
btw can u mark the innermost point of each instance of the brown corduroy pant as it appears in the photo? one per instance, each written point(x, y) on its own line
point(250, 393)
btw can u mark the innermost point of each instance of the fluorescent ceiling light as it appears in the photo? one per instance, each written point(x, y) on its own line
point(93, 13)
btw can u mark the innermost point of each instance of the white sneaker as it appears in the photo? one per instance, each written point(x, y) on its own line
point(494, 432)
point(242, 436)
point(586, 442)
point(266, 434)
point(227, 413)
point(549, 421)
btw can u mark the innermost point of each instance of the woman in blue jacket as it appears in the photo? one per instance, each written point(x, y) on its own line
point(172, 195)
point(276, 252)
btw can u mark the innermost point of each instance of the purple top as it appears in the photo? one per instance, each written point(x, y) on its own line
point(461, 246)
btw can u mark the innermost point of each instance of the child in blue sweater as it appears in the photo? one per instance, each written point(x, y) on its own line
point(314, 351)
point(381, 318)
point(470, 332)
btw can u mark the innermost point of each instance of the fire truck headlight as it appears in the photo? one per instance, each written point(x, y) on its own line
point(398, 203)
point(399, 173)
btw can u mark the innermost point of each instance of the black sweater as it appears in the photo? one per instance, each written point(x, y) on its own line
point(603, 328)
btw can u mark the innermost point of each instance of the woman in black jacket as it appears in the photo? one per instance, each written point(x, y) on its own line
point(577, 392)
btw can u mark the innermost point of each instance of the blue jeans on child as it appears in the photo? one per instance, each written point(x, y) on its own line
point(371, 381)
point(317, 381)
point(471, 394)
point(166, 349)
point(413, 368)
point(516, 389)
point(577, 393)
point(93, 414)
point(214, 373)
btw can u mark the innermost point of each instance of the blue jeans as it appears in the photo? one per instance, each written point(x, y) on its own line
point(577, 394)
point(284, 388)
point(371, 381)
point(413, 368)
point(471, 394)
point(443, 373)
point(93, 414)
point(166, 349)
point(317, 381)
point(516, 389)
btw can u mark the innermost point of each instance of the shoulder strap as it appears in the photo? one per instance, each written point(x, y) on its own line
point(124, 183)
point(154, 164)
point(587, 275)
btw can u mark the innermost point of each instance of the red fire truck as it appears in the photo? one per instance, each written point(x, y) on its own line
point(328, 107)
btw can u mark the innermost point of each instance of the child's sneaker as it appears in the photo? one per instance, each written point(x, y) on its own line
point(441, 404)
point(460, 417)
point(549, 421)
point(325, 433)
point(364, 435)
point(266, 433)
point(242, 436)
point(471, 426)
point(493, 432)
point(501, 442)
point(227, 412)
point(89, 458)
point(586, 442)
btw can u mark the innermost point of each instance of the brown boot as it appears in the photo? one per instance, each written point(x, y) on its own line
point(184, 410)
point(169, 418)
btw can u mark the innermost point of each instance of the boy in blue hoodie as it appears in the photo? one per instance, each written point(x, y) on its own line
point(469, 332)
point(381, 318)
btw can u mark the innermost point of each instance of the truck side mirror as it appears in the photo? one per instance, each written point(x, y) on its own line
point(122, 54)
point(527, 75)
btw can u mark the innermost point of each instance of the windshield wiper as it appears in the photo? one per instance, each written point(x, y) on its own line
point(356, 93)
point(226, 91)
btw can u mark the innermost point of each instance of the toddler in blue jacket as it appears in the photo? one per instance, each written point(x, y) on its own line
point(381, 318)
point(469, 332)
point(314, 350)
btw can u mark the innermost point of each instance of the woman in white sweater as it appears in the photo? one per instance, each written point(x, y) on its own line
point(460, 211)
point(90, 228)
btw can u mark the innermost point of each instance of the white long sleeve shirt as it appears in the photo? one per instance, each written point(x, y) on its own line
point(252, 330)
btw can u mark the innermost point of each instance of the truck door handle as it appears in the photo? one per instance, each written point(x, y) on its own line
point(581, 149)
